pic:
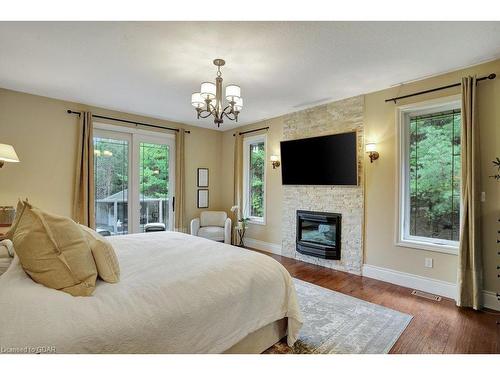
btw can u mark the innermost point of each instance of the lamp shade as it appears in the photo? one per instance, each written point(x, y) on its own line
point(371, 147)
point(8, 154)
point(196, 100)
point(238, 105)
point(274, 158)
point(208, 90)
point(232, 92)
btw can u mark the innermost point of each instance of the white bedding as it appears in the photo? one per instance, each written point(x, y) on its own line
point(177, 294)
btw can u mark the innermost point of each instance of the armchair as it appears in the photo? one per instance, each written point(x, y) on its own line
point(214, 225)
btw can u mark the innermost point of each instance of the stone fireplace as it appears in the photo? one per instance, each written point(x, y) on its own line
point(346, 201)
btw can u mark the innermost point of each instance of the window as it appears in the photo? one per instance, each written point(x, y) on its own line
point(133, 175)
point(111, 179)
point(254, 178)
point(430, 176)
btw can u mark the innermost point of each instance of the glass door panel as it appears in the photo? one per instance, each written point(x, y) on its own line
point(111, 178)
point(154, 161)
point(134, 174)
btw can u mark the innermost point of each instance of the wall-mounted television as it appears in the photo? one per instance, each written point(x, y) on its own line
point(326, 160)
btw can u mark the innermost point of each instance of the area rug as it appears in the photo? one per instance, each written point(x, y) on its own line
point(341, 324)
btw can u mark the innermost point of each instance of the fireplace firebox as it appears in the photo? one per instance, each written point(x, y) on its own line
point(318, 234)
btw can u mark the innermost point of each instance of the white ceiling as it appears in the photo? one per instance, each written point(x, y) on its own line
point(151, 68)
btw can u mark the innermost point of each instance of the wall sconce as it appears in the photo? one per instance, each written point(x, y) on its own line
point(275, 161)
point(7, 154)
point(371, 149)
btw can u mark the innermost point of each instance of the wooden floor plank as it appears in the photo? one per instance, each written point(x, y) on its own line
point(436, 327)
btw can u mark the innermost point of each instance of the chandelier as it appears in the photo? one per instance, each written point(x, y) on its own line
point(208, 102)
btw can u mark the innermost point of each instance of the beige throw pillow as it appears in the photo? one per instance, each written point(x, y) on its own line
point(104, 255)
point(54, 252)
point(19, 213)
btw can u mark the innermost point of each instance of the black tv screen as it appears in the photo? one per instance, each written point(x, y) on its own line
point(327, 160)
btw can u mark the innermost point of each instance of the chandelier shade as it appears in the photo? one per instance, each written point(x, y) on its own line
point(209, 101)
point(196, 100)
point(232, 92)
point(208, 90)
point(238, 104)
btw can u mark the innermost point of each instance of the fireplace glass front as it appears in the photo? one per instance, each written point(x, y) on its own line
point(318, 234)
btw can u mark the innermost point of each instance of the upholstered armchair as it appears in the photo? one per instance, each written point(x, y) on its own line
point(214, 225)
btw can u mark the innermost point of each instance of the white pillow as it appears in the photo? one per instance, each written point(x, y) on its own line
point(6, 249)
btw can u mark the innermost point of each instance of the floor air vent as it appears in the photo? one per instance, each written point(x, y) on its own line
point(430, 296)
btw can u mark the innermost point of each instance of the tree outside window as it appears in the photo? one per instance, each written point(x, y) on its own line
point(256, 179)
point(434, 175)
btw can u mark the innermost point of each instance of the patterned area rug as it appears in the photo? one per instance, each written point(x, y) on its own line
point(337, 323)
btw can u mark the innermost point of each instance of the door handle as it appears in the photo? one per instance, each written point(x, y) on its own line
point(173, 204)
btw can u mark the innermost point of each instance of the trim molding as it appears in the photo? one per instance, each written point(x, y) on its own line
point(264, 246)
point(490, 300)
point(426, 284)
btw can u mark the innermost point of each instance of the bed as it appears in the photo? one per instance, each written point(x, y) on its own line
point(177, 294)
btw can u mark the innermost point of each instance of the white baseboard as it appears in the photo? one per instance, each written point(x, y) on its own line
point(425, 284)
point(264, 246)
point(490, 300)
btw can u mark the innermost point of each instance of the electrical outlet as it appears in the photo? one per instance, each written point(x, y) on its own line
point(428, 262)
point(483, 196)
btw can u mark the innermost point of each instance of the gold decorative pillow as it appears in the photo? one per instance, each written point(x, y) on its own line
point(104, 255)
point(19, 213)
point(54, 252)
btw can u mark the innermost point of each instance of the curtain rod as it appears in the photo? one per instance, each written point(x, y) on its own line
point(251, 131)
point(491, 76)
point(127, 121)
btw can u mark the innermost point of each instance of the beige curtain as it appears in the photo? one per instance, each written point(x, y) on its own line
point(469, 256)
point(238, 177)
point(83, 198)
point(179, 209)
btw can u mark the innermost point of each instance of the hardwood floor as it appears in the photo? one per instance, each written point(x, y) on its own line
point(437, 327)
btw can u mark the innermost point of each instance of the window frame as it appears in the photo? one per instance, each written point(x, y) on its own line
point(403, 237)
point(247, 141)
point(134, 136)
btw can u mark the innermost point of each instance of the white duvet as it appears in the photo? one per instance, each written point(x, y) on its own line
point(177, 294)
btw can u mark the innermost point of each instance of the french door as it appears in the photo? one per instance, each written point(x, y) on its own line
point(134, 172)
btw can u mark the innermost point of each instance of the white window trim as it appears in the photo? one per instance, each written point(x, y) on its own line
point(403, 238)
point(247, 141)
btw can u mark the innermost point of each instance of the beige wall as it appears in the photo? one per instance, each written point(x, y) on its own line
point(380, 188)
point(381, 177)
point(271, 232)
point(45, 137)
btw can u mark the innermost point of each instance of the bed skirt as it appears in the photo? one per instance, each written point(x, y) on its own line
point(260, 340)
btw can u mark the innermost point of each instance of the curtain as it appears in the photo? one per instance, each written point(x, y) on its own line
point(238, 179)
point(179, 209)
point(83, 199)
point(469, 255)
